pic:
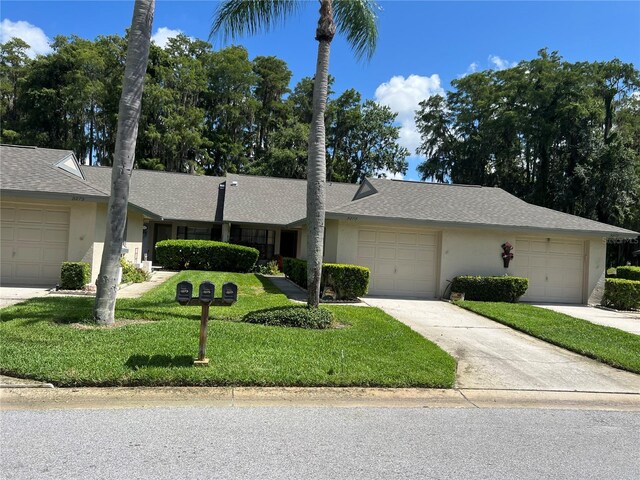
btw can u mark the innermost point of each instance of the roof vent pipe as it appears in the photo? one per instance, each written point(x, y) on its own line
point(234, 183)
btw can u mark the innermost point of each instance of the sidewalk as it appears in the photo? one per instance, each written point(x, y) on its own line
point(135, 290)
point(147, 397)
point(297, 294)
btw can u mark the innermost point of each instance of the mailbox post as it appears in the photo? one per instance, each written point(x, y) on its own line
point(205, 298)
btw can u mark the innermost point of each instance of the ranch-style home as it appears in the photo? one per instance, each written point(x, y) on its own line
point(414, 236)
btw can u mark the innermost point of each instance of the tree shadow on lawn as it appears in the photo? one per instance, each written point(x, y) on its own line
point(136, 361)
point(57, 309)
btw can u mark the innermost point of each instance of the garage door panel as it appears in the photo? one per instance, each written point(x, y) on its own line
point(387, 253)
point(27, 253)
point(385, 268)
point(53, 255)
point(367, 236)
point(29, 234)
point(50, 271)
point(57, 218)
point(406, 254)
point(7, 214)
point(407, 238)
point(7, 233)
point(538, 246)
point(55, 235)
point(386, 237)
point(427, 240)
point(28, 215)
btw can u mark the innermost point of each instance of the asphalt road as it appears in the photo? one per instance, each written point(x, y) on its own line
point(319, 443)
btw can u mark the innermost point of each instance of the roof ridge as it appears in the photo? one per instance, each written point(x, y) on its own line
point(197, 175)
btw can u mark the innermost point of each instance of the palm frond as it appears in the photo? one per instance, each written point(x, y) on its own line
point(357, 20)
point(235, 18)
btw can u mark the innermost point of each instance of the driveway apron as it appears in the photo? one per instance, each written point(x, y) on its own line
point(493, 356)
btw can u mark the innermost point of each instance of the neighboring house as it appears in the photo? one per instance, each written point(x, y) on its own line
point(414, 236)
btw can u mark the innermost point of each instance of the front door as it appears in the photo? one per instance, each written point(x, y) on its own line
point(289, 243)
point(161, 231)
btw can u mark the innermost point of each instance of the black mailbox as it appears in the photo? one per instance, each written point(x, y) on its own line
point(184, 291)
point(206, 292)
point(229, 293)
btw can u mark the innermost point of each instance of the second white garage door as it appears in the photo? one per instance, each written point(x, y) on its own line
point(555, 269)
point(34, 243)
point(402, 262)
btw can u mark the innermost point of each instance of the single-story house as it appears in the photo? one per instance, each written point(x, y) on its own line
point(414, 236)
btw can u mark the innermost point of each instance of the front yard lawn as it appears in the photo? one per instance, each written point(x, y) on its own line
point(51, 339)
point(608, 345)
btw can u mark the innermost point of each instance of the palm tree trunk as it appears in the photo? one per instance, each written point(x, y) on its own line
point(316, 165)
point(123, 159)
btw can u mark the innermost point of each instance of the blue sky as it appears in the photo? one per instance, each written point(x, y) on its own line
point(422, 45)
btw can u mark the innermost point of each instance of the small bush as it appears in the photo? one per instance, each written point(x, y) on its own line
point(293, 316)
point(490, 289)
point(348, 281)
point(74, 275)
point(205, 255)
point(131, 273)
point(269, 268)
point(628, 273)
point(621, 293)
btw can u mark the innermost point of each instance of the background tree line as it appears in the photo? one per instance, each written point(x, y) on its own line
point(204, 111)
point(557, 134)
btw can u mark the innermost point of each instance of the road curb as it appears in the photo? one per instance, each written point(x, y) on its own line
point(155, 397)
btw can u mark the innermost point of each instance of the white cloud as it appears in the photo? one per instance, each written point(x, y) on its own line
point(163, 34)
point(32, 35)
point(402, 96)
point(390, 176)
point(501, 63)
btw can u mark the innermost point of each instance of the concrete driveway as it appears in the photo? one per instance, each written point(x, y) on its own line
point(492, 356)
point(627, 321)
point(12, 295)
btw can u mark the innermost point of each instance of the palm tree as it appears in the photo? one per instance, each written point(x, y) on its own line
point(357, 20)
point(123, 158)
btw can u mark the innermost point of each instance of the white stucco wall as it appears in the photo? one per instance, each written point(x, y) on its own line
point(596, 249)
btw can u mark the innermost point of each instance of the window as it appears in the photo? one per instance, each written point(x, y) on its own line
point(198, 233)
point(261, 239)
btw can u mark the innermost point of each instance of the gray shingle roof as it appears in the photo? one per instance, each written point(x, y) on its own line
point(465, 206)
point(279, 201)
point(34, 170)
point(169, 196)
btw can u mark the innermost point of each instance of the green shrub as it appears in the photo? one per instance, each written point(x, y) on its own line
point(295, 270)
point(74, 275)
point(628, 273)
point(490, 289)
point(131, 273)
point(205, 255)
point(348, 281)
point(299, 316)
point(621, 293)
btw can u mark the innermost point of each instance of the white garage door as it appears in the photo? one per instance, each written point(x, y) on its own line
point(34, 243)
point(554, 268)
point(402, 262)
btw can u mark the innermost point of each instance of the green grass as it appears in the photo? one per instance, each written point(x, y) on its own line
point(372, 349)
point(608, 345)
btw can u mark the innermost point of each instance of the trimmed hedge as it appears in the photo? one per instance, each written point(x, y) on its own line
point(628, 273)
point(621, 293)
point(205, 255)
point(74, 275)
point(491, 289)
point(348, 281)
point(299, 316)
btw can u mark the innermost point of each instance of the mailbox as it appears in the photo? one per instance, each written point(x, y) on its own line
point(184, 291)
point(206, 292)
point(229, 293)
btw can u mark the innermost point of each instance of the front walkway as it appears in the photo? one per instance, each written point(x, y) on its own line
point(493, 356)
point(136, 290)
point(627, 321)
point(12, 295)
